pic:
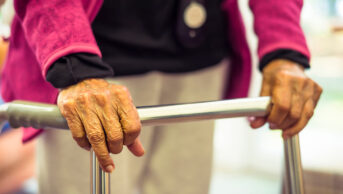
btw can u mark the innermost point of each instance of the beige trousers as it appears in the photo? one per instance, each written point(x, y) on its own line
point(178, 157)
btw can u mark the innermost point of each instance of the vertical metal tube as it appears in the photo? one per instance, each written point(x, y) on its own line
point(294, 173)
point(100, 180)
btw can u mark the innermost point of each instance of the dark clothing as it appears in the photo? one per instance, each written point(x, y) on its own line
point(140, 36)
point(136, 37)
point(284, 54)
point(73, 68)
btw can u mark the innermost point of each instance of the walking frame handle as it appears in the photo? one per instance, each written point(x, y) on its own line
point(38, 115)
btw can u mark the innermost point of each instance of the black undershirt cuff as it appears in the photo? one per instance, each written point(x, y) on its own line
point(73, 68)
point(288, 54)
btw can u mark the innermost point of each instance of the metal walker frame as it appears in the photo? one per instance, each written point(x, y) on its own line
point(37, 115)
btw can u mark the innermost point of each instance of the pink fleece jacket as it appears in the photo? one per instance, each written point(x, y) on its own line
point(43, 31)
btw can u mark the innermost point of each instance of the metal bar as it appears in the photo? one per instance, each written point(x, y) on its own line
point(294, 172)
point(100, 181)
point(157, 115)
point(38, 115)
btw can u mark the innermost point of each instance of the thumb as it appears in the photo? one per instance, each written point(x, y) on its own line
point(257, 122)
point(136, 148)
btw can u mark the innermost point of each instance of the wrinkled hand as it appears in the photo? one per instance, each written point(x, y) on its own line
point(294, 97)
point(102, 116)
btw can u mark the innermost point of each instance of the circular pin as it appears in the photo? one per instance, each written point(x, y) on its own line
point(194, 15)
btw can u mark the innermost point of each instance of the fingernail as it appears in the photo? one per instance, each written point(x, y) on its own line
point(109, 168)
point(250, 119)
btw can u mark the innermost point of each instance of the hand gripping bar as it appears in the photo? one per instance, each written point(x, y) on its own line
point(38, 115)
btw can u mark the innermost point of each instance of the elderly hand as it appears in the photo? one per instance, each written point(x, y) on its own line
point(294, 97)
point(101, 115)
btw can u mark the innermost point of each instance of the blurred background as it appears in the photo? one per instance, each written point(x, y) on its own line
point(246, 161)
point(251, 161)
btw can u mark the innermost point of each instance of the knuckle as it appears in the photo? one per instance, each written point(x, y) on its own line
point(68, 110)
point(82, 141)
point(281, 77)
point(285, 77)
point(115, 138)
point(282, 74)
point(116, 150)
point(123, 88)
point(283, 107)
point(309, 85)
point(294, 115)
point(119, 89)
point(131, 135)
point(68, 104)
point(299, 82)
point(318, 88)
point(72, 124)
point(83, 97)
point(96, 137)
point(79, 137)
point(309, 114)
point(134, 128)
point(130, 138)
point(101, 98)
point(121, 92)
point(301, 79)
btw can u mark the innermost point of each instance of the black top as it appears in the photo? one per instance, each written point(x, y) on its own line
point(139, 36)
point(136, 37)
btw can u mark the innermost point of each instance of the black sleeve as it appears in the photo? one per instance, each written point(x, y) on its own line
point(74, 68)
point(285, 54)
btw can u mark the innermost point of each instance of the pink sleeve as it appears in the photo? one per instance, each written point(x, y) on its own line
point(277, 25)
point(55, 28)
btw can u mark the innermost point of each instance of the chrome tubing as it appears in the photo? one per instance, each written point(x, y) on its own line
point(157, 115)
point(293, 168)
point(100, 180)
point(37, 115)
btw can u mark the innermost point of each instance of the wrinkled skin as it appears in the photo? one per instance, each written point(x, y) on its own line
point(102, 116)
point(294, 97)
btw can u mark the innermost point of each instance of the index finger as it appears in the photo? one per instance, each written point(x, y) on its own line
point(96, 138)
